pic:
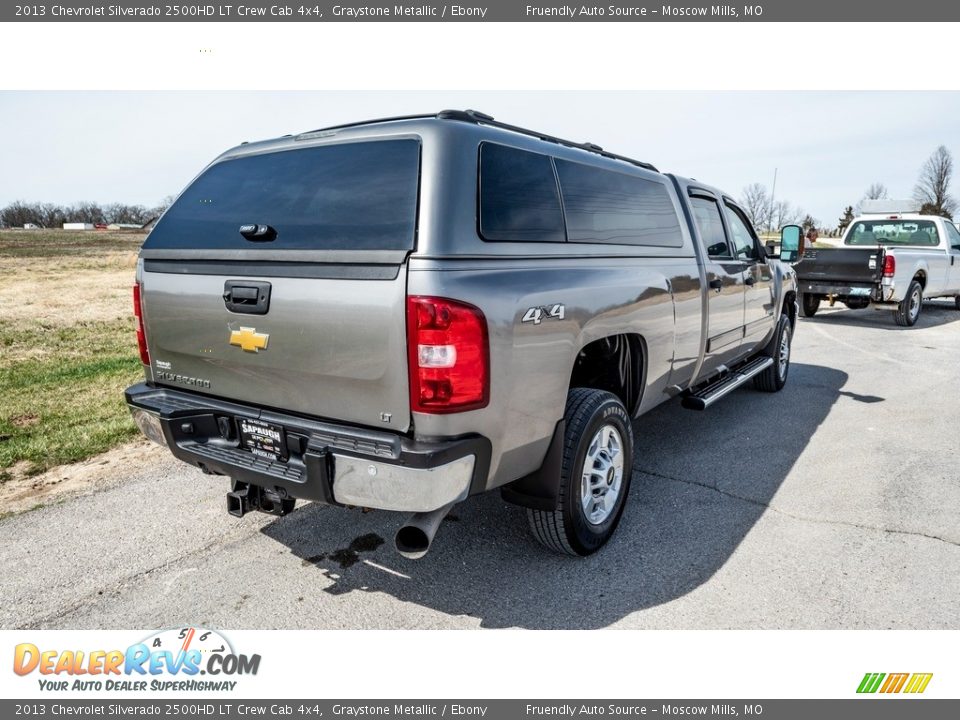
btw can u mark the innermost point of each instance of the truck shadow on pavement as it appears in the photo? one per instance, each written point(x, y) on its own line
point(934, 314)
point(701, 481)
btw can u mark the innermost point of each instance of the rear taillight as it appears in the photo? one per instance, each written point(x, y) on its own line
point(141, 333)
point(449, 355)
point(889, 265)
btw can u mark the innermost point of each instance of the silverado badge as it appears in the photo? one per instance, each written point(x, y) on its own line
point(249, 339)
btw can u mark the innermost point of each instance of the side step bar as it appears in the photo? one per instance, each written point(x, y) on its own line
point(704, 398)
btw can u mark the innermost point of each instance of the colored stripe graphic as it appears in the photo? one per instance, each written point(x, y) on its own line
point(894, 682)
point(870, 682)
point(918, 683)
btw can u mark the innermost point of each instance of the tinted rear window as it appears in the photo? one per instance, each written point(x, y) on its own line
point(603, 206)
point(518, 196)
point(356, 196)
point(893, 232)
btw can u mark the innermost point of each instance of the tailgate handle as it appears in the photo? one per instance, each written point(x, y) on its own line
point(247, 296)
point(258, 233)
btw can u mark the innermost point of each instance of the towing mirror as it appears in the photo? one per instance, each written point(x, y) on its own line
point(790, 242)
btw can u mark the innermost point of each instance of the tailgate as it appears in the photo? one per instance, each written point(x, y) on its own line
point(845, 266)
point(327, 347)
point(278, 279)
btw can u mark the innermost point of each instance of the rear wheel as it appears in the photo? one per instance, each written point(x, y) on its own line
point(775, 377)
point(594, 477)
point(909, 308)
point(956, 302)
point(811, 303)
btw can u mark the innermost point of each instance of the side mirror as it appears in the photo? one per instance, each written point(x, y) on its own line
point(790, 242)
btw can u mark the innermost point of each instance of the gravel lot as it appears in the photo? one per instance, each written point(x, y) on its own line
point(835, 504)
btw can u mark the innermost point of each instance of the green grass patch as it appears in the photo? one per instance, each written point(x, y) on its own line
point(63, 392)
point(67, 346)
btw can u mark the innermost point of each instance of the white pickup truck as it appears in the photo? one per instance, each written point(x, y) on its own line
point(893, 260)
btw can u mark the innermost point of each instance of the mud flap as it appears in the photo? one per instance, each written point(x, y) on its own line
point(540, 489)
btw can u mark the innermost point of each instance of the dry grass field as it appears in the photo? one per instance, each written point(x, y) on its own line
point(67, 346)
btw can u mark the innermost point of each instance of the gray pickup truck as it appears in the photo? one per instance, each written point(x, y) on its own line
point(400, 313)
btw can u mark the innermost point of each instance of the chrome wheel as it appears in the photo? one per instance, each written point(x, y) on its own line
point(783, 354)
point(602, 477)
point(915, 300)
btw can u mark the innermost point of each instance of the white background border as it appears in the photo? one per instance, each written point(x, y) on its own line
point(480, 56)
point(484, 56)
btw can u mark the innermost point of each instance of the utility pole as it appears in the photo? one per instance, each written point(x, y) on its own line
point(773, 193)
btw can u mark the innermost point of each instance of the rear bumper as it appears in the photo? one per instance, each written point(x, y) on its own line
point(838, 288)
point(871, 291)
point(328, 463)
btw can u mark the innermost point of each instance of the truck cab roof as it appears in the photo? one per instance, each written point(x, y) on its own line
point(425, 125)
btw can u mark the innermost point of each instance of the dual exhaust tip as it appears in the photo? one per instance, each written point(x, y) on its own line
point(412, 541)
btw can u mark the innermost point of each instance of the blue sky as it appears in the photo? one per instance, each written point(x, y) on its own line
point(827, 147)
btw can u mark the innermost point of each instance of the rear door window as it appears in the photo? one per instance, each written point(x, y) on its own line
point(954, 236)
point(604, 206)
point(706, 214)
point(353, 196)
point(519, 200)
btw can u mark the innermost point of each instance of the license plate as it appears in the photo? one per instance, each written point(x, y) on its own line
point(860, 291)
point(263, 439)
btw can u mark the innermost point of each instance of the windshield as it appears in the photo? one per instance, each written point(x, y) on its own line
point(354, 196)
point(893, 232)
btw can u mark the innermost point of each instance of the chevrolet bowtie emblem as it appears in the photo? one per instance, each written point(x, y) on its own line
point(249, 340)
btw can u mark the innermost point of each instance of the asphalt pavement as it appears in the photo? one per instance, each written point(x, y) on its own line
point(833, 504)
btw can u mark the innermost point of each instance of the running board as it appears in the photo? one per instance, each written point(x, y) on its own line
point(706, 397)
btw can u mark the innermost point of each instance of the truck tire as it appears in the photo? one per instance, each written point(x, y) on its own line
point(594, 478)
point(909, 308)
point(956, 302)
point(775, 377)
point(811, 303)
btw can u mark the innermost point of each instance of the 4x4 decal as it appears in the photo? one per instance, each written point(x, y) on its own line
point(537, 314)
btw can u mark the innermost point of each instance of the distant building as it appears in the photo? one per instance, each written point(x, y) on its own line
point(78, 226)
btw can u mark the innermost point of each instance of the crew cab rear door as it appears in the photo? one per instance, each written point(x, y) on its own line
point(759, 301)
point(278, 279)
point(725, 283)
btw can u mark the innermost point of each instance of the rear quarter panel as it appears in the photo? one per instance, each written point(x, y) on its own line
point(531, 364)
point(930, 262)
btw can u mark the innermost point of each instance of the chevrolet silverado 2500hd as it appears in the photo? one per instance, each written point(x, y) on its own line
point(398, 314)
point(892, 261)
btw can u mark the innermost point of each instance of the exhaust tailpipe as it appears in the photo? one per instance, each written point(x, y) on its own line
point(413, 540)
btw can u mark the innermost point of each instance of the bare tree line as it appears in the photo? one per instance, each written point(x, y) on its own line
point(51, 215)
point(931, 192)
point(933, 186)
point(768, 214)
